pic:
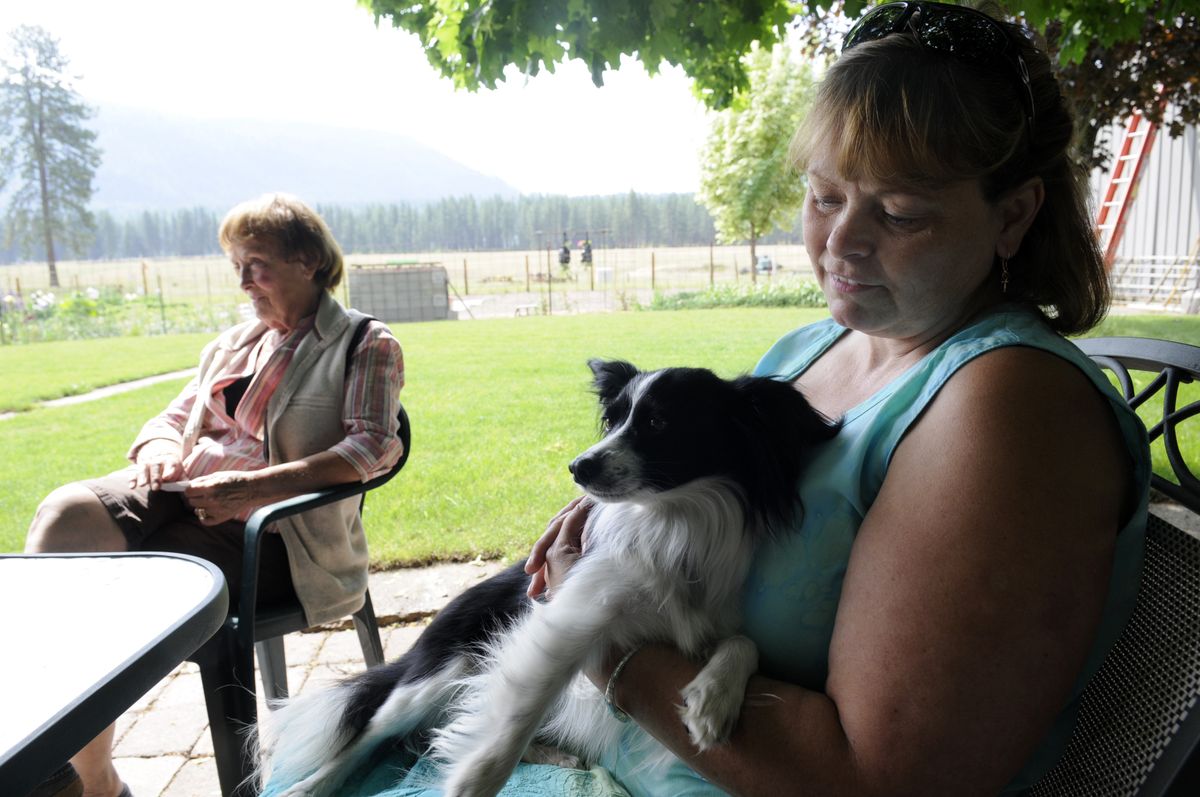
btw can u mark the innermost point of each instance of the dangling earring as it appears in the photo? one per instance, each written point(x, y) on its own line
point(1004, 275)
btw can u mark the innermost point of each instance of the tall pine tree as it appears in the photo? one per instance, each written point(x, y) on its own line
point(48, 158)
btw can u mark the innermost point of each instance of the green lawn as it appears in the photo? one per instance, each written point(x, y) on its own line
point(65, 368)
point(498, 407)
point(1185, 329)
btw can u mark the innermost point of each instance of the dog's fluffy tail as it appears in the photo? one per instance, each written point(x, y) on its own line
point(314, 741)
point(302, 734)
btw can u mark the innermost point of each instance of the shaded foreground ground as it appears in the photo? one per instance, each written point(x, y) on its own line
point(163, 746)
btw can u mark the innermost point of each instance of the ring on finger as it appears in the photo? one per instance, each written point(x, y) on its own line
point(201, 514)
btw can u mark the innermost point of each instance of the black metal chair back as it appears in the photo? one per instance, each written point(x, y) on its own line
point(227, 660)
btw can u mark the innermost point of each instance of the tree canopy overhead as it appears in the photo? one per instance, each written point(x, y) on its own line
point(1107, 61)
point(473, 41)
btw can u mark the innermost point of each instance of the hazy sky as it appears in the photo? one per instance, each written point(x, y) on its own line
point(325, 61)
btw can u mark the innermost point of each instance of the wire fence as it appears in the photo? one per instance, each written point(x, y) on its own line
point(198, 294)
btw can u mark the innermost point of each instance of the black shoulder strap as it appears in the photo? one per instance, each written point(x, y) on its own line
point(356, 338)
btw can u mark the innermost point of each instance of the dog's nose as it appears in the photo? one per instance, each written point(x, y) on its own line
point(584, 468)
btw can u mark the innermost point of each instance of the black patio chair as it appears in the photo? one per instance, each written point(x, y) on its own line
point(227, 660)
point(1138, 731)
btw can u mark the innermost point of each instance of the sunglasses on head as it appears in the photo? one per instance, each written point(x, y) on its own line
point(963, 33)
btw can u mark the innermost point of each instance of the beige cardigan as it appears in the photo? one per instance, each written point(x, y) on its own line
point(326, 547)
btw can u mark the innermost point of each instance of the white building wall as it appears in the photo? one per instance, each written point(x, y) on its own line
point(1156, 261)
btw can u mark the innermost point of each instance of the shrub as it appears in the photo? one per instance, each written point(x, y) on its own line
point(103, 312)
point(777, 294)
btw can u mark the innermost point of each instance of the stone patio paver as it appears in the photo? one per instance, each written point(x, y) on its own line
point(164, 748)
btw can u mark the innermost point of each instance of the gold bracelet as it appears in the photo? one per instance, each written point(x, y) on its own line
point(610, 690)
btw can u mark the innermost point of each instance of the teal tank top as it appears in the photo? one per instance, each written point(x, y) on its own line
point(794, 586)
point(792, 593)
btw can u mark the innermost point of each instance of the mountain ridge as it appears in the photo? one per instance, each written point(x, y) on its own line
point(153, 161)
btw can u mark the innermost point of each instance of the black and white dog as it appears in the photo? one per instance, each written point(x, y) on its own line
point(692, 472)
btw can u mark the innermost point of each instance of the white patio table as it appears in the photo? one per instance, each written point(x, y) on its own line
point(83, 637)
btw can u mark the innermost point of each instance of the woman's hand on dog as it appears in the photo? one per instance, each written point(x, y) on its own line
point(558, 548)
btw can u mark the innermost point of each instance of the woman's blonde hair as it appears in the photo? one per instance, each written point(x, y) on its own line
point(900, 112)
point(295, 228)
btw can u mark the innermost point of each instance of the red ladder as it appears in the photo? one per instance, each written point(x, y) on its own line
point(1122, 182)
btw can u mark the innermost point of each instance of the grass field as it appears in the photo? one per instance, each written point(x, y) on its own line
point(66, 368)
point(499, 407)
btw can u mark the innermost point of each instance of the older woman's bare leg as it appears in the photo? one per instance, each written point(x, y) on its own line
point(73, 520)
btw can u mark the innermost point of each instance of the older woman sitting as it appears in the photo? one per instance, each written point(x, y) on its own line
point(280, 406)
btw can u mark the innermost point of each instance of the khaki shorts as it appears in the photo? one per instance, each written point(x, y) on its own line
point(154, 520)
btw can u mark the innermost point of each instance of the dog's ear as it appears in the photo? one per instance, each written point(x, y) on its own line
point(777, 427)
point(610, 377)
point(781, 411)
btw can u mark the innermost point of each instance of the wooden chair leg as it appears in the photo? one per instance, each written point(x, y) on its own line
point(231, 710)
point(368, 633)
point(272, 668)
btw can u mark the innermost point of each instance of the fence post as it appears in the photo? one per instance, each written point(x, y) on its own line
point(466, 283)
point(162, 304)
point(653, 280)
point(711, 268)
point(527, 288)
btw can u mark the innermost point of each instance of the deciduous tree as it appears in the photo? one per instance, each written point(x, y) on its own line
point(1156, 72)
point(48, 157)
point(746, 181)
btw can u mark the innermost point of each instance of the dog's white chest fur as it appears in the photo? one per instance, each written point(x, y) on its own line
point(685, 456)
point(667, 570)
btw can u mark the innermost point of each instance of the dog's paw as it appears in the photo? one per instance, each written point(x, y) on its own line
point(478, 777)
point(302, 789)
point(709, 711)
point(548, 754)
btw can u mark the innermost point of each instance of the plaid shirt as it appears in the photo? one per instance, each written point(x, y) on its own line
point(375, 377)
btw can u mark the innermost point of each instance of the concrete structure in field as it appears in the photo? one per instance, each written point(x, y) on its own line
point(397, 292)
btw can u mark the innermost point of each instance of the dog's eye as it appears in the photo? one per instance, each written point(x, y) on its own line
point(606, 423)
point(657, 424)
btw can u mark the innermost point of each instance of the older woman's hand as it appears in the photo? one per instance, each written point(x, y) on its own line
point(559, 547)
point(222, 496)
point(158, 461)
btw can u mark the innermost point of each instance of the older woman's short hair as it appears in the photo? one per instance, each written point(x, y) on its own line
point(295, 228)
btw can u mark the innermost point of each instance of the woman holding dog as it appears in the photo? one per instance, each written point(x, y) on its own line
point(304, 396)
point(972, 537)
